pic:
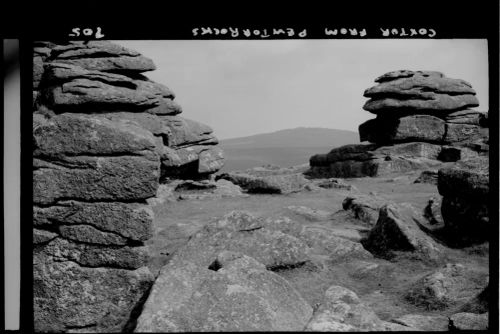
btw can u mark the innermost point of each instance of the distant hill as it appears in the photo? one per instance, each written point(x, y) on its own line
point(284, 148)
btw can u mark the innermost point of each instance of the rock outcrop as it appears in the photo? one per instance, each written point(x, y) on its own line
point(423, 119)
point(465, 203)
point(342, 311)
point(267, 180)
point(104, 135)
point(397, 231)
point(450, 286)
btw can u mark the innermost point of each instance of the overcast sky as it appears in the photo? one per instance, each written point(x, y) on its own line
point(242, 88)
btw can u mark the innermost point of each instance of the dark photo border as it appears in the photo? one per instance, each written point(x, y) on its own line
point(451, 20)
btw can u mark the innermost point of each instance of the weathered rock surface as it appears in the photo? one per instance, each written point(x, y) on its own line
point(130, 220)
point(185, 132)
point(92, 255)
point(389, 76)
point(322, 241)
point(420, 91)
point(422, 108)
point(271, 184)
point(424, 322)
point(236, 293)
point(68, 296)
point(89, 178)
point(80, 134)
point(413, 128)
point(451, 285)
point(370, 160)
point(101, 131)
point(469, 321)
point(396, 230)
point(342, 311)
point(335, 183)
point(465, 204)
point(101, 56)
point(244, 233)
point(309, 213)
point(468, 116)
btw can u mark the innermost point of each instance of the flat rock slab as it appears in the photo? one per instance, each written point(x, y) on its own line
point(82, 94)
point(87, 178)
point(80, 134)
point(68, 296)
point(93, 255)
point(468, 116)
point(242, 232)
point(322, 241)
point(400, 92)
point(373, 160)
point(424, 322)
point(393, 75)
point(418, 128)
point(237, 293)
point(272, 184)
point(191, 162)
point(185, 132)
point(438, 103)
point(130, 220)
point(309, 213)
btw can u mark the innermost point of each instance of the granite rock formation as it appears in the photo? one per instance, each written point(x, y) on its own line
point(423, 119)
point(104, 135)
point(465, 202)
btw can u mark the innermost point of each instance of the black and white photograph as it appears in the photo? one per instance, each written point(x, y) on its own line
point(262, 179)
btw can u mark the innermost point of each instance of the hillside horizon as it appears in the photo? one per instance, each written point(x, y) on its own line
point(285, 148)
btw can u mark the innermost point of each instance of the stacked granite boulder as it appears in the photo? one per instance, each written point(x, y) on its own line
point(423, 119)
point(104, 135)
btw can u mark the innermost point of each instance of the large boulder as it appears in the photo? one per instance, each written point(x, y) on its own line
point(191, 162)
point(419, 92)
point(465, 205)
point(371, 160)
point(396, 231)
point(237, 293)
point(271, 184)
point(342, 311)
point(101, 56)
point(337, 248)
point(242, 232)
point(185, 132)
point(70, 297)
point(384, 130)
point(469, 321)
point(450, 286)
